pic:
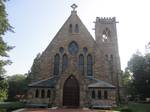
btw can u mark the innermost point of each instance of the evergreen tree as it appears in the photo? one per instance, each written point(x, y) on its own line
point(4, 48)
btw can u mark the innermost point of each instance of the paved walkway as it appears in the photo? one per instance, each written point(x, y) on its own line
point(63, 110)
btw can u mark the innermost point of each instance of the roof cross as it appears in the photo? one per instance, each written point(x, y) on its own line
point(74, 6)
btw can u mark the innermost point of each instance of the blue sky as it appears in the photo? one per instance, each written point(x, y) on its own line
point(36, 22)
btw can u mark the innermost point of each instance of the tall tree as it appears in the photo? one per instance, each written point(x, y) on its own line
point(18, 85)
point(4, 48)
point(139, 66)
point(35, 69)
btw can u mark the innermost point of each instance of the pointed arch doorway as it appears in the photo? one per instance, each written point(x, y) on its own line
point(71, 92)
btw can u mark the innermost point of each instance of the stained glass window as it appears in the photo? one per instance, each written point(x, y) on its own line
point(73, 48)
point(64, 62)
point(81, 63)
point(89, 65)
point(56, 64)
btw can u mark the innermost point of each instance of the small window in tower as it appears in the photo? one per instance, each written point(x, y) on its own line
point(76, 28)
point(70, 28)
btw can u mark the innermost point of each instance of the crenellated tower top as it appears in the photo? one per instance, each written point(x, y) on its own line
point(106, 20)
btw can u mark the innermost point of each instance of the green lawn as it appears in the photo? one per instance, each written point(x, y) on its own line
point(134, 107)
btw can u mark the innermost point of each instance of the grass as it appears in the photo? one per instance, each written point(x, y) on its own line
point(10, 106)
point(134, 107)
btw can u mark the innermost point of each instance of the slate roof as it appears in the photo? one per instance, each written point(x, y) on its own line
point(100, 84)
point(51, 82)
point(46, 83)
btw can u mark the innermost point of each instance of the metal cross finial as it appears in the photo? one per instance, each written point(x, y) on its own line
point(74, 6)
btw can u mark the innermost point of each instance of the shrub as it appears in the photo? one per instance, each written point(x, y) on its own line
point(11, 105)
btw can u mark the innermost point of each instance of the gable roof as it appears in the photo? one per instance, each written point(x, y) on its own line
point(64, 30)
point(100, 84)
point(46, 83)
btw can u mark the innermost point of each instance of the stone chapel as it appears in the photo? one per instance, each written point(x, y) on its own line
point(76, 69)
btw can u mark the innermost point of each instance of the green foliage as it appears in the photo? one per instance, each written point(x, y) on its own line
point(11, 105)
point(18, 85)
point(133, 107)
point(3, 90)
point(4, 27)
point(35, 69)
point(139, 66)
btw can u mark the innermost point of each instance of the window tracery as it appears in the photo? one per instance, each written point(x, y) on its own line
point(106, 35)
point(73, 48)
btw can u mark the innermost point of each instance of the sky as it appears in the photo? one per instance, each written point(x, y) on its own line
point(36, 22)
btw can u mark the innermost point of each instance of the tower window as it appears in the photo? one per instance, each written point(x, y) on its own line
point(76, 28)
point(70, 28)
point(81, 63)
point(56, 64)
point(106, 35)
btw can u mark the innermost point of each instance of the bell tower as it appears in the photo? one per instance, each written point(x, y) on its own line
point(106, 39)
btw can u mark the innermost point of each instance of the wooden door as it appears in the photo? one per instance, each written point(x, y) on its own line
point(71, 92)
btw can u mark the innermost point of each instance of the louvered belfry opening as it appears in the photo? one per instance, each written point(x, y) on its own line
point(71, 92)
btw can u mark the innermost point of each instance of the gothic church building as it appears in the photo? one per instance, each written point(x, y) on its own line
point(76, 69)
